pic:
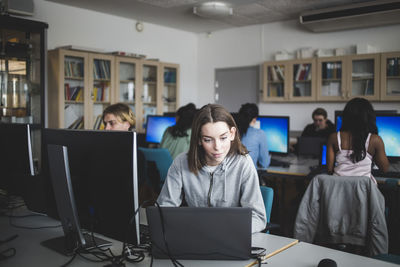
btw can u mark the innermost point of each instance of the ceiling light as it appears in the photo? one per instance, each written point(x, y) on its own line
point(213, 9)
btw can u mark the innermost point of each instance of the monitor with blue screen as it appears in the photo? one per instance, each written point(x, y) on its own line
point(322, 159)
point(388, 129)
point(277, 130)
point(155, 127)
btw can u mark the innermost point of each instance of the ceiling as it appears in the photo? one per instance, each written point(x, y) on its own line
point(179, 13)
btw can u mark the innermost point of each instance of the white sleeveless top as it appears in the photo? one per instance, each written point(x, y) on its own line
point(346, 167)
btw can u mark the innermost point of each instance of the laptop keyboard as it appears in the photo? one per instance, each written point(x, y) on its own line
point(389, 174)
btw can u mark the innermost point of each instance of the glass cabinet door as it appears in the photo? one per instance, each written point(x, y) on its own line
point(127, 83)
point(331, 79)
point(170, 88)
point(274, 87)
point(390, 76)
point(149, 91)
point(364, 73)
point(303, 80)
point(20, 77)
point(100, 94)
point(74, 88)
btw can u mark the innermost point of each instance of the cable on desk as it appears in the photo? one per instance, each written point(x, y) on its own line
point(174, 261)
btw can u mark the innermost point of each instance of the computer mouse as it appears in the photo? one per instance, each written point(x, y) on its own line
point(327, 263)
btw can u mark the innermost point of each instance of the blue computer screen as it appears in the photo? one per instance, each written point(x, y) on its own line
point(156, 125)
point(388, 130)
point(277, 130)
point(323, 155)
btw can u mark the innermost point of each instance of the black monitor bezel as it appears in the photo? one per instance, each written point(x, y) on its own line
point(288, 133)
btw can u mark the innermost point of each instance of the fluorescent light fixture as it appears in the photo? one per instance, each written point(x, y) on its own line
point(213, 9)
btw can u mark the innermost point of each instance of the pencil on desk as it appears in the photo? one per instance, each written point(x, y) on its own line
point(274, 253)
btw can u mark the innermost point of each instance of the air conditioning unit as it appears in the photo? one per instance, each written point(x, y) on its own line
point(17, 7)
point(368, 14)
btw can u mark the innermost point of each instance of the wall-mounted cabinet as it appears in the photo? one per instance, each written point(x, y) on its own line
point(390, 76)
point(372, 76)
point(291, 80)
point(83, 84)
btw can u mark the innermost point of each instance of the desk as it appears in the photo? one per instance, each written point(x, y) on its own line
point(31, 253)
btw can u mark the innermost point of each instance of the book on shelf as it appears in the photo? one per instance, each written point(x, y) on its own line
point(77, 124)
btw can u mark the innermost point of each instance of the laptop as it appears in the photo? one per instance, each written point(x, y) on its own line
point(309, 146)
point(218, 233)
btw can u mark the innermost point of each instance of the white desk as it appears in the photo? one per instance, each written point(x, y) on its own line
point(31, 253)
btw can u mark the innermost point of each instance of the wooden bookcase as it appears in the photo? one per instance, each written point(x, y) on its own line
point(390, 76)
point(289, 80)
point(82, 84)
point(372, 76)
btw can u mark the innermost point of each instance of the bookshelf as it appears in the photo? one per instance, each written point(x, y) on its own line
point(82, 84)
point(390, 76)
point(331, 79)
point(170, 87)
point(289, 80)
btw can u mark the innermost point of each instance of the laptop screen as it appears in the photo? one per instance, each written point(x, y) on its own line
point(216, 233)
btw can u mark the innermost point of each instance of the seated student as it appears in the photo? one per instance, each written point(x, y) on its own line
point(322, 127)
point(177, 138)
point(357, 144)
point(118, 117)
point(217, 171)
point(254, 139)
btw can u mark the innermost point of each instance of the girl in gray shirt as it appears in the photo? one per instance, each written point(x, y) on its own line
point(217, 171)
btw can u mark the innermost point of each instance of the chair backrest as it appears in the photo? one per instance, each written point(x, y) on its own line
point(161, 157)
point(268, 197)
point(343, 209)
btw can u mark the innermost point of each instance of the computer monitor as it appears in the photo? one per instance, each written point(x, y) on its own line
point(388, 129)
point(156, 126)
point(338, 116)
point(16, 158)
point(277, 130)
point(103, 168)
point(73, 238)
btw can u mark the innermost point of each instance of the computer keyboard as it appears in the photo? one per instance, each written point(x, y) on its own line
point(279, 163)
point(389, 174)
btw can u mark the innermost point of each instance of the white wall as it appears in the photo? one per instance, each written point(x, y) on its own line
point(81, 27)
point(200, 54)
point(254, 44)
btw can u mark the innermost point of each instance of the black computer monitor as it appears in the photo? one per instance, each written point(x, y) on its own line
point(388, 129)
point(16, 159)
point(103, 167)
point(277, 130)
point(156, 126)
point(74, 239)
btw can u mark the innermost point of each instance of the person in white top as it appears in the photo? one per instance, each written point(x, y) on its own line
point(351, 151)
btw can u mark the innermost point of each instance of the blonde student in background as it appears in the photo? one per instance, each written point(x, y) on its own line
point(217, 171)
point(118, 117)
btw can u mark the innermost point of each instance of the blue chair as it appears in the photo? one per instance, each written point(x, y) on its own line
point(268, 197)
point(162, 159)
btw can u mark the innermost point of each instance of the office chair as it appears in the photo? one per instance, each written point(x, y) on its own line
point(162, 159)
point(346, 213)
point(268, 197)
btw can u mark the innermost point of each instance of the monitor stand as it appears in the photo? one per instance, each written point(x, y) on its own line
point(67, 245)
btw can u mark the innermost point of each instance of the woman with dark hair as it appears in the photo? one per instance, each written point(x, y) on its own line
point(357, 144)
point(254, 139)
point(217, 171)
point(177, 138)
